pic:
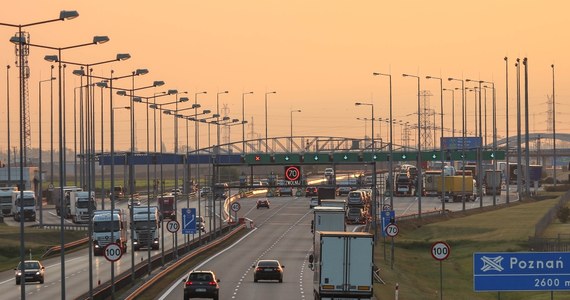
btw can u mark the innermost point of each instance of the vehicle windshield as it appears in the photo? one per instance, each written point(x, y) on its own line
point(84, 203)
point(144, 224)
point(200, 277)
point(165, 206)
point(29, 265)
point(27, 202)
point(106, 226)
point(5, 199)
point(268, 263)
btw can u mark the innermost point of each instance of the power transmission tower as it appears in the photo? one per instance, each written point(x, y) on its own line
point(25, 105)
point(425, 121)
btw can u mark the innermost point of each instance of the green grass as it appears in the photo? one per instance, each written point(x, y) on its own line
point(38, 241)
point(417, 273)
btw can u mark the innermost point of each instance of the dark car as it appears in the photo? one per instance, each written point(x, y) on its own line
point(262, 203)
point(34, 271)
point(268, 270)
point(343, 190)
point(286, 190)
point(201, 284)
point(311, 191)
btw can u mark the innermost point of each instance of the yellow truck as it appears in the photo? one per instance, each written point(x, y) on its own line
point(456, 187)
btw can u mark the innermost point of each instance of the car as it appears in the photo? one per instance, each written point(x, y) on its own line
point(286, 190)
point(205, 191)
point(176, 192)
point(34, 271)
point(262, 203)
point(343, 190)
point(135, 202)
point(311, 191)
point(200, 223)
point(314, 202)
point(268, 269)
point(329, 172)
point(201, 284)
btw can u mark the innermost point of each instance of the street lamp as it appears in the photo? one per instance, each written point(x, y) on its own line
point(291, 139)
point(463, 137)
point(243, 118)
point(452, 110)
point(391, 159)
point(218, 112)
point(419, 183)
point(507, 160)
point(440, 141)
point(266, 135)
point(374, 200)
point(197, 146)
point(39, 193)
point(553, 128)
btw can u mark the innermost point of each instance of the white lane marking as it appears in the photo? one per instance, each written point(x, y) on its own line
point(176, 283)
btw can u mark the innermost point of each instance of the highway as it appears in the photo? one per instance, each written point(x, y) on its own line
point(282, 232)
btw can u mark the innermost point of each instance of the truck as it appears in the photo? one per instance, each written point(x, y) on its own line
point(456, 187)
point(535, 173)
point(166, 207)
point(492, 182)
point(6, 200)
point(328, 219)
point(107, 223)
point(430, 189)
point(62, 205)
point(333, 203)
point(403, 185)
point(118, 192)
point(145, 225)
point(343, 265)
point(326, 192)
point(80, 203)
point(29, 205)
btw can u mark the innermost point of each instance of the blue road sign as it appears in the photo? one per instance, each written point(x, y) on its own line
point(458, 143)
point(386, 218)
point(188, 220)
point(521, 271)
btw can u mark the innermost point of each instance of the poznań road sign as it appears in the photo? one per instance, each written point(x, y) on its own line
point(387, 217)
point(521, 271)
point(188, 220)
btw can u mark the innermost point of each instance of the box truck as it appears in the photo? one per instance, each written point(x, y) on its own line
point(343, 265)
point(80, 204)
point(456, 187)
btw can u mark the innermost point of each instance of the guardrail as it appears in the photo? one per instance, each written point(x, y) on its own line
point(65, 226)
point(71, 245)
point(125, 279)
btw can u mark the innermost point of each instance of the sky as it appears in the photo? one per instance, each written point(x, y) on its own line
point(318, 56)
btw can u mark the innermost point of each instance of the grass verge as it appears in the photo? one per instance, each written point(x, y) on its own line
point(36, 241)
point(417, 273)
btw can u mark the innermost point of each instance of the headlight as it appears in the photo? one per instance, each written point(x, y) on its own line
point(38, 273)
point(19, 273)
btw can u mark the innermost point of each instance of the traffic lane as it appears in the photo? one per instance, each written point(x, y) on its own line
point(233, 267)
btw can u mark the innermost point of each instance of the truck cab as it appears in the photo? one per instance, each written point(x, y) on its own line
point(6, 200)
point(146, 222)
point(81, 203)
point(29, 205)
point(107, 224)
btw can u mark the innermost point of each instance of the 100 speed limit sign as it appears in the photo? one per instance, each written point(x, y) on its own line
point(440, 250)
point(113, 252)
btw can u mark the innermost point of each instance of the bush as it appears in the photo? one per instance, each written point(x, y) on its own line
point(563, 214)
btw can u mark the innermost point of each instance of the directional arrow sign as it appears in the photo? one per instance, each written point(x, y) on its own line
point(188, 220)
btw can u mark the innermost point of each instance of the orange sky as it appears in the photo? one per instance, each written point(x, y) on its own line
point(318, 55)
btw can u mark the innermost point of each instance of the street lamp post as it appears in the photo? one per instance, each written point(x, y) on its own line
point(197, 146)
point(374, 198)
point(243, 118)
point(291, 139)
point(508, 176)
point(452, 110)
point(420, 171)
point(553, 127)
point(391, 157)
point(39, 193)
point(463, 137)
point(440, 142)
point(266, 134)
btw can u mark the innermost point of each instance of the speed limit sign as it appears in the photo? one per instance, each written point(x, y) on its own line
point(440, 250)
point(392, 230)
point(235, 207)
point(172, 226)
point(113, 252)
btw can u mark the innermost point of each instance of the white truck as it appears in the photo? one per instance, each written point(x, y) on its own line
point(343, 265)
point(146, 223)
point(328, 219)
point(333, 203)
point(6, 200)
point(29, 205)
point(107, 224)
point(79, 204)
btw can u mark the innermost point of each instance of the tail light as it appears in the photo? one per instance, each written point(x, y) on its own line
point(258, 269)
point(188, 283)
point(212, 283)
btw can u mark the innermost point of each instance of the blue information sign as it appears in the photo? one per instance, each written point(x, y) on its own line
point(386, 218)
point(521, 271)
point(188, 220)
point(460, 143)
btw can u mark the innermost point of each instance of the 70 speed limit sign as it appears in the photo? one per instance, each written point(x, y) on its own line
point(440, 250)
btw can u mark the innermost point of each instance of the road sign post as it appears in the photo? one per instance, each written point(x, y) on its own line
point(235, 208)
point(440, 251)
